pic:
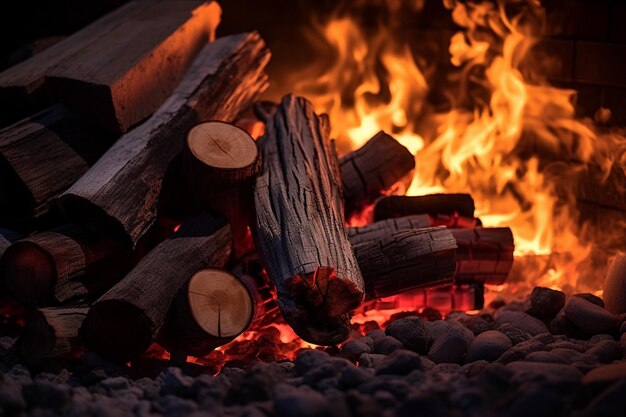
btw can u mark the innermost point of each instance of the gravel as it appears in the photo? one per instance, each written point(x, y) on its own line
point(501, 362)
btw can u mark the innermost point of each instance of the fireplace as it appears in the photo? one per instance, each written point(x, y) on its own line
point(329, 208)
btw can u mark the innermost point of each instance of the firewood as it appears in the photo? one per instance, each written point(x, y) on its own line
point(484, 255)
point(118, 70)
point(375, 168)
point(51, 333)
point(299, 228)
point(434, 204)
point(373, 232)
point(7, 237)
point(63, 263)
point(220, 162)
point(40, 157)
point(405, 260)
point(119, 194)
point(212, 309)
point(124, 321)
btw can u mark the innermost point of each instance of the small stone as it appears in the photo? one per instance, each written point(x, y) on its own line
point(411, 331)
point(547, 357)
point(589, 317)
point(115, 383)
point(546, 302)
point(606, 373)
point(376, 334)
point(176, 406)
point(310, 359)
point(569, 355)
point(449, 343)
point(353, 349)
point(489, 346)
point(474, 368)
point(595, 339)
point(537, 402)
point(370, 360)
point(46, 394)
point(549, 372)
point(525, 321)
point(174, 382)
point(561, 325)
point(446, 369)
point(606, 351)
point(11, 398)
point(400, 362)
point(477, 324)
point(352, 377)
point(567, 344)
point(593, 299)
point(515, 333)
point(520, 351)
point(301, 403)
point(387, 345)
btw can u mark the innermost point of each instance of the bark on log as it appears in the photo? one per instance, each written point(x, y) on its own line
point(118, 70)
point(40, 157)
point(212, 309)
point(299, 229)
point(61, 264)
point(119, 194)
point(124, 321)
point(406, 260)
point(434, 204)
point(370, 171)
point(51, 333)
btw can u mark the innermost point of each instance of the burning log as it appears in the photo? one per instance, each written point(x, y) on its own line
point(118, 70)
point(40, 157)
point(51, 333)
point(299, 229)
point(212, 309)
point(376, 167)
point(404, 260)
point(124, 321)
point(119, 194)
point(63, 263)
point(434, 204)
point(220, 162)
point(484, 255)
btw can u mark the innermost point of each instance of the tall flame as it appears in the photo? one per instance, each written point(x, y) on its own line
point(477, 145)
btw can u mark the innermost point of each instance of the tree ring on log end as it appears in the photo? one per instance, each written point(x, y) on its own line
point(220, 303)
point(222, 145)
point(29, 272)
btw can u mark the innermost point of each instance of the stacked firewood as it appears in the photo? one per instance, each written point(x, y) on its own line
point(144, 242)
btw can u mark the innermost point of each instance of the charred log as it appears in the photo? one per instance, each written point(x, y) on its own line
point(434, 204)
point(299, 229)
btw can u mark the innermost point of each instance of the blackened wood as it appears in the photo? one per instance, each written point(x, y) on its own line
point(124, 321)
point(63, 263)
point(372, 170)
point(382, 229)
point(433, 204)
point(212, 309)
point(118, 70)
point(50, 333)
point(40, 157)
point(406, 260)
point(299, 229)
point(119, 194)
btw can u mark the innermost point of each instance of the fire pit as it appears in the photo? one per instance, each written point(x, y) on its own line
point(311, 209)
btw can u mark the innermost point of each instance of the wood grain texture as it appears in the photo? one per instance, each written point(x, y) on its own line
point(118, 70)
point(119, 194)
point(124, 321)
point(50, 333)
point(370, 171)
point(64, 263)
point(299, 227)
point(433, 204)
point(384, 228)
point(40, 157)
point(406, 260)
point(484, 255)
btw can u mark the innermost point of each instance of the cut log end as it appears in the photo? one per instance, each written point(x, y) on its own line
point(324, 332)
point(28, 272)
point(224, 146)
point(117, 330)
point(220, 303)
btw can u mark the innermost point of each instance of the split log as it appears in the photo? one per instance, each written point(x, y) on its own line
point(118, 70)
point(406, 260)
point(51, 333)
point(7, 237)
point(61, 264)
point(484, 255)
point(434, 204)
point(299, 228)
point(119, 194)
point(220, 162)
point(42, 156)
point(124, 321)
point(372, 170)
point(212, 309)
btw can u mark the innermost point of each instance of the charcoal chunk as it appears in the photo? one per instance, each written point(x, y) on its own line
point(400, 362)
point(524, 321)
point(387, 345)
point(411, 331)
point(589, 317)
point(546, 302)
point(301, 403)
point(489, 346)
